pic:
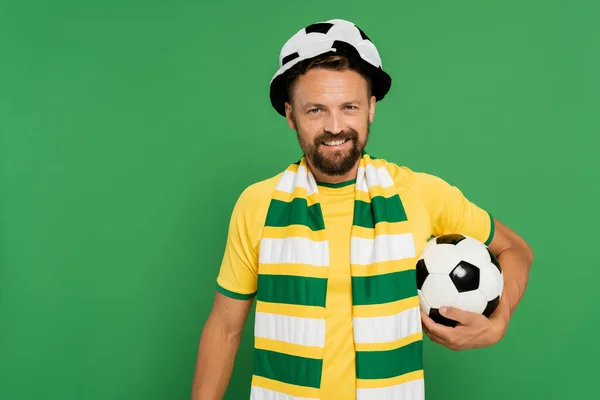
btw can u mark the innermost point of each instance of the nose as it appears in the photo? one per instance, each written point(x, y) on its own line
point(334, 122)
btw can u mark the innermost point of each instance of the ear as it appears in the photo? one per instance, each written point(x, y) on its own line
point(372, 109)
point(289, 116)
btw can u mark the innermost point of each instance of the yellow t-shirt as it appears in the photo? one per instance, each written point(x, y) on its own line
point(433, 206)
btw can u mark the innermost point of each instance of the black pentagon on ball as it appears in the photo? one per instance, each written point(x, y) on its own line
point(450, 238)
point(435, 315)
point(421, 273)
point(491, 306)
point(465, 277)
point(321, 27)
point(494, 260)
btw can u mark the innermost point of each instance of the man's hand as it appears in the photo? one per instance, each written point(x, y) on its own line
point(472, 331)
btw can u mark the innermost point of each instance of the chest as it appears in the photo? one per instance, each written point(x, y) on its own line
point(339, 214)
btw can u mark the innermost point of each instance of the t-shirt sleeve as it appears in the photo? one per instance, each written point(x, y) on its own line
point(238, 273)
point(450, 211)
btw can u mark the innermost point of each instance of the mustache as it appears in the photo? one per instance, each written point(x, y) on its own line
point(344, 135)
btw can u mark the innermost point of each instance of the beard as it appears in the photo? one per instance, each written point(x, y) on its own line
point(339, 162)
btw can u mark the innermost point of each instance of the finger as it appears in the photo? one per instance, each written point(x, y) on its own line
point(428, 323)
point(437, 339)
point(431, 327)
point(426, 320)
point(448, 341)
point(456, 314)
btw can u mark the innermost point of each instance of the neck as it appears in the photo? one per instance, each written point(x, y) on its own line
point(333, 179)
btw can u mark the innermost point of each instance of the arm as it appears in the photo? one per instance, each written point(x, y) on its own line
point(236, 289)
point(515, 258)
point(218, 347)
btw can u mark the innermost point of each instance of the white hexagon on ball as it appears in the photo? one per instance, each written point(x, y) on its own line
point(473, 251)
point(490, 282)
point(441, 258)
point(423, 303)
point(428, 246)
point(438, 290)
point(473, 301)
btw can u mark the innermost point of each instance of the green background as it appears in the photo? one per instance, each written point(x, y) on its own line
point(126, 135)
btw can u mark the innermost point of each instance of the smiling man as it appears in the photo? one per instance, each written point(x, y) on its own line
point(332, 146)
point(328, 247)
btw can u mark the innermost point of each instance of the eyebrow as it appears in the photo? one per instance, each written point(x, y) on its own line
point(311, 105)
point(346, 103)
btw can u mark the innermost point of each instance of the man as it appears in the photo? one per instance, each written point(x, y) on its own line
point(328, 246)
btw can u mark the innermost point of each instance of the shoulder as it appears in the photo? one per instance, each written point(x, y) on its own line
point(428, 188)
point(259, 192)
point(404, 176)
point(252, 204)
point(249, 214)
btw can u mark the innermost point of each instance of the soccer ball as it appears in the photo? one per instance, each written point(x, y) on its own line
point(458, 271)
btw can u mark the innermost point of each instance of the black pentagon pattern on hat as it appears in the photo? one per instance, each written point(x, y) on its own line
point(450, 238)
point(289, 58)
point(362, 34)
point(320, 27)
point(346, 48)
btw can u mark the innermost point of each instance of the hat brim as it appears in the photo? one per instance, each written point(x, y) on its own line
point(381, 81)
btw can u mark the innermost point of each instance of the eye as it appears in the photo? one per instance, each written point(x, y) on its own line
point(314, 110)
point(352, 108)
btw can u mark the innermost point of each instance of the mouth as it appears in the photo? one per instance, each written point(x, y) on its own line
point(335, 143)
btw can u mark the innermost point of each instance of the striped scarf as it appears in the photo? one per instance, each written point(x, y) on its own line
point(292, 285)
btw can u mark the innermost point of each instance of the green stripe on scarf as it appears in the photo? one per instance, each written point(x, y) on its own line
point(384, 209)
point(296, 212)
point(385, 364)
point(386, 288)
point(286, 289)
point(286, 368)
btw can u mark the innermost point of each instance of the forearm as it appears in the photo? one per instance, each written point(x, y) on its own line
point(216, 355)
point(515, 264)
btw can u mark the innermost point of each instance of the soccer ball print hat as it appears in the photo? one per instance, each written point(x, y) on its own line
point(335, 36)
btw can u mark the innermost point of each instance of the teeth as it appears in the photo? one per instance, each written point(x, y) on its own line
point(335, 143)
